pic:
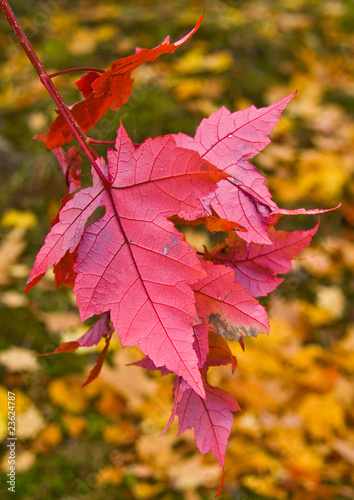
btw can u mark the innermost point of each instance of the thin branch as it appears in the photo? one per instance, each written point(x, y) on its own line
point(52, 90)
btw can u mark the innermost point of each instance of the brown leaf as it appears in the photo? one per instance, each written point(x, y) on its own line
point(98, 366)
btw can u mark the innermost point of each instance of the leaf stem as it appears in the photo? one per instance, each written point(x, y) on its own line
point(71, 70)
point(95, 141)
point(52, 90)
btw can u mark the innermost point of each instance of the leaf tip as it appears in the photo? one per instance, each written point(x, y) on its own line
point(242, 344)
point(31, 282)
point(64, 347)
point(187, 37)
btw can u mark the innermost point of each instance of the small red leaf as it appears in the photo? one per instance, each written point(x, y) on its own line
point(64, 347)
point(133, 262)
point(98, 366)
point(211, 417)
point(110, 90)
point(228, 140)
point(149, 365)
point(90, 338)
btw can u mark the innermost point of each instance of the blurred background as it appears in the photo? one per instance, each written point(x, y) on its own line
point(294, 438)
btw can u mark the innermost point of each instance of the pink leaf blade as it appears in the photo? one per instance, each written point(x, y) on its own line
point(231, 202)
point(228, 140)
point(149, 365)
point(201, 343)
point(66, 234)
point(257, 266)
point(256, 280)
point(180, 386)
point(134, 263)
point(241, 134)
point(227, 306)
point(191, 174)
point(304, 211)
point(211, 419)
point(96, 332)
point(285, 247)
point(139, 290)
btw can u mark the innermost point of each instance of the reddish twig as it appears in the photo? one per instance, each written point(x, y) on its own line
point(52, 90)
point(95, 141)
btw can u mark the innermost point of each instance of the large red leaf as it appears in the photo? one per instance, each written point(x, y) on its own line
point(110, 90)
point(256, 266)
point(228, 140)
point(227, 306)
point(133, 262)
point(211, 417)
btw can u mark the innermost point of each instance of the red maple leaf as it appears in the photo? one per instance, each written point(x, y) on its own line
point(109, 90)
point(229, 140)
point(211, 417)
point(256, 266)
point(133, 262)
